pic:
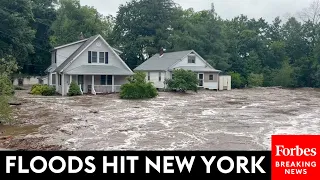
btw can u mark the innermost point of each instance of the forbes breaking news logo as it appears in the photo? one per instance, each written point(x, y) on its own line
point(295, 157)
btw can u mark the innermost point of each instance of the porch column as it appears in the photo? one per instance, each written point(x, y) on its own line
point(113, 83)
point(62, 84)
point(92, 86)
point(70, 79)
point(57, 82)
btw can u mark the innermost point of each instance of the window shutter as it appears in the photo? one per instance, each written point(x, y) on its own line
point(89, 56)
point(107, 58)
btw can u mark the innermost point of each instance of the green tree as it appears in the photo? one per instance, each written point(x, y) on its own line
point(143, 27)
point(7, 67)
point(183, 81)
point(75, 22)
point(16, 34)
point(44, 14)
point(283, 77)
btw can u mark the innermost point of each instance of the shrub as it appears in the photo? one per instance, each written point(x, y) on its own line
point(255, 80)
point(138, 88)
point(43, 90)
point(283, 77)
point(6, 86)
point(183, 81)
point(237, 80)
point(5, 110)
point(74, 89)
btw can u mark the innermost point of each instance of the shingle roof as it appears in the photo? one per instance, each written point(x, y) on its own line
point(198, 69)
point(74, 54)
point(162, 63)
point(99, 70)
point(51, 68)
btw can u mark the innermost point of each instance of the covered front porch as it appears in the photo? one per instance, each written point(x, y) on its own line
point(91, 84)
point(99, 84)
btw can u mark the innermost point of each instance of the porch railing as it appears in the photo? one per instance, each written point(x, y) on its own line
point(106, 88)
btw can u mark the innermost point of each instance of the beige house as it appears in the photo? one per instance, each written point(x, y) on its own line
point(92, 63)
point(160, 67)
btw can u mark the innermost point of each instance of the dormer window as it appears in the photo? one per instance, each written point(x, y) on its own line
point(191, 59)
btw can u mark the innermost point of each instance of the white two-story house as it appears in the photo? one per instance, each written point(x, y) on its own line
point(92, 63)
point(160, 67)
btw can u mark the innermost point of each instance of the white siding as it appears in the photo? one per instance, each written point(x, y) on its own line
point(210, 85)
point(83, 58)
point(64, 53)
point(184, 62)
point(154, 78)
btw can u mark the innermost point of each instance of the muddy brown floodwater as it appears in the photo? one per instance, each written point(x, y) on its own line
point(207, 120)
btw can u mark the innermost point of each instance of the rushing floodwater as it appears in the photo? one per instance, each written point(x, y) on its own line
point(208, 120)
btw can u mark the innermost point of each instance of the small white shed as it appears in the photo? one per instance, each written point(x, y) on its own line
point(224, 82)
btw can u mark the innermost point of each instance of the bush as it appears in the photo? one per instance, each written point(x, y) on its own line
point(138, 88)
point(5, 110)
point(183, 81)
point(283, 77)
point(237, 80)
point(44, 90)
point(74, 89)
point(255, 80)
point(6, 86)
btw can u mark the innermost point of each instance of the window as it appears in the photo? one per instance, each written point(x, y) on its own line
point(94, 57)
point(148, 76)
point(107, 57)
point(109, 80)
point(159, 76)
point(191, 59)
point(103, 80)
point(172, 76)
point(211, 77)
point(101, 57)
point(53, 79)
point(60, 79)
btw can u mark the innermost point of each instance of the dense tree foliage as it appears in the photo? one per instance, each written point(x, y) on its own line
point(285, 53)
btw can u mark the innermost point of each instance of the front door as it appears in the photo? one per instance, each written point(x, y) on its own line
point(80, 81)
point(201, 80)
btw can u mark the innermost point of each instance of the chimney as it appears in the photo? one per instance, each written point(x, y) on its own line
point(81, 36)
point(161, 52)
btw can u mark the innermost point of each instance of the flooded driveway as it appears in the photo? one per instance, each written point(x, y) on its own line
point(208, 120)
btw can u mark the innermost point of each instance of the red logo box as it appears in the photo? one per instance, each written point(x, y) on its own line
point(295, 157)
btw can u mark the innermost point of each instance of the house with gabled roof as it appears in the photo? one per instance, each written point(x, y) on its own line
point(161, 66)
point(92, 63)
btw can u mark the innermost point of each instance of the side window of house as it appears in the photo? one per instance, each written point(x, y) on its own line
point(148, 76)
point(159, 76)
point(53, 77)
point(211, 77)
point(191, 59)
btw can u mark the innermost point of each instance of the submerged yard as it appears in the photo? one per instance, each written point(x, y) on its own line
point(208, 120)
